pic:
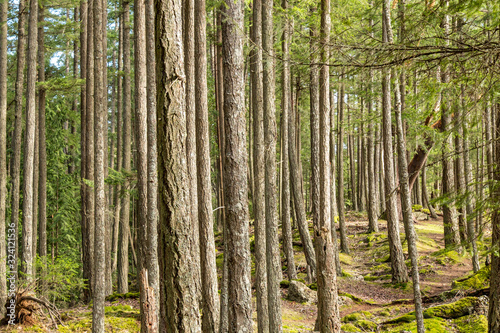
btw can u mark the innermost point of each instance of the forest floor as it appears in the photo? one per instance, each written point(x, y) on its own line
point(377, 304)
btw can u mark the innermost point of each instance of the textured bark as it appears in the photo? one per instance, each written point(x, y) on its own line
point(460, 176)
point(179, 310)
point(29, 140)
point(344, 247)
point(333, 188)
point(399, 271)
point(372, 183)
point(189, 62)
point(273, 260)
point(152, 224)
point(405, 192)
point(259, 203)
point(425, 195)
point(123, 243)
point(210, 296)
point(15, 163)
point(314, 125)
point(119, 145)
point(494, 309)
point(100, 123)
point(235, 173)
point(141, 158)
point(286, 227)
point(328, 309)
point(42, 155)
point(89, 148)
point(450, 215)
point(4, 7)
point(469, 204)
point(298, 199)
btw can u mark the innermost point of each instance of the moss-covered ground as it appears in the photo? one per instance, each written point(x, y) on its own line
point(374, 303)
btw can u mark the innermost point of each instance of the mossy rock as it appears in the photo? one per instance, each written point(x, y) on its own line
point(313, 286)
point(350, 328)
point(346, 259)
point(416, 208)
point(346, 274)
point(460, 308)
point(471, 324)
point(479, 280)
point(366, 325)
point(386, 258)
point(447, 256)
point(432, 325)
point(355, 316)
point(284, 284)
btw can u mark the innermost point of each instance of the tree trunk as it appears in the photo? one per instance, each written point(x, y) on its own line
point(210, 296)
point(4, 7)
point(152, 217)
point(333, 188)
point(298, 198)
point(273, 260)
point(328, 309)
point(89, 149)
point(15, 167)
point(189, 63)
point(399, 271)
point(494, 309)
point(42, 155)
point(179, 310)
point(344, 246)
point(450, 218)
point(123, 243)
point(286, 229)
point(424, 193)
point(100, 123)
point(372, 182)
point(235, 175)
point(141, 162)
point(29, 149)
point(259, 203)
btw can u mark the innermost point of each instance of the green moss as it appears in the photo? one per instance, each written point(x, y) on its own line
point(346, 274)
point(252, 243)
point(350, 328)
point(433, 325)
point(478, 280)
point(219, 260)
point(346, 259)
point(447, 256)
point(355, 316)
point(367, 314)
point(366, 325)
point(313, 286)
point(471, 324)
point(115, 296)
point(416, 208)
point(380, 268)
point(407, 318)
point(384, 313)
point(385, 258)
point(457, 309)
point(426, 211)
point(284, 284)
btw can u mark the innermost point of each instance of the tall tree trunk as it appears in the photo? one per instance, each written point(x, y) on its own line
point(123, 243)
point(286, 229)
point(450, 217)
point(372, 183)
point(235, 175)
point(460, 175)
point(152, 224)
point(273, 261)
point(405, 192)
point(344, 246)
point(425, 195)
point(494, 309)
point(141, 162)
point(189, 62)
point(298, 199)
point(259, 203)
point(29, 149)
point(100, 123)
point(328, 309)
point(333, 188)
point(210, 296)
point(83, 144)
point(179, 310)
point(399, 271)
point(119, 144)
point(42, 155)
point(4, 7)
point(89, 149)
point(469, 203)
point(15, 167)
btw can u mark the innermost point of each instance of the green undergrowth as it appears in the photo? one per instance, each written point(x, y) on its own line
point(359, 322)
point(118, 318)
point(447, 256)
point(115, 296)
point(432, 325)
point(471, 324)
point(478, 280)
